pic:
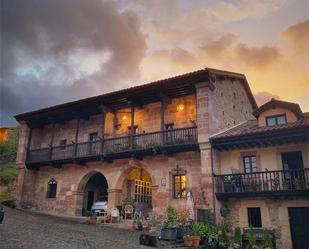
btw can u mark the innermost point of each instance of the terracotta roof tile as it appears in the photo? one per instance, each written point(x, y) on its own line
point(251, 127)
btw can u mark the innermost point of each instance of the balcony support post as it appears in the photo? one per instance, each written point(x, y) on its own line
point(103, 130)
point(132, 127)
point(76, 136)
point(29, 143)
point(52, 140)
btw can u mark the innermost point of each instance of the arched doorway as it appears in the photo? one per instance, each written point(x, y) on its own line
point(93, 186)
point(137, 186)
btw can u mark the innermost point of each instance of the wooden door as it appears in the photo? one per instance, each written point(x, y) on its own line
point(299, 224)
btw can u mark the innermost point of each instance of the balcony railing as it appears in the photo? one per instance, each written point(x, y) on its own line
point(147, 143)
point(266, 183)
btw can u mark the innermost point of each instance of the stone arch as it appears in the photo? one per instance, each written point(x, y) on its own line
point(94, 181)
point(133, 177)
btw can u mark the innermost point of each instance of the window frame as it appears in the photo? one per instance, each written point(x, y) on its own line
point(52, 189)
point(276, 119)
point(251, 219)
point(179, 192)
point(250, 163)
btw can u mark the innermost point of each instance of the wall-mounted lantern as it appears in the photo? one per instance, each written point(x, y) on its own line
point(180, 107)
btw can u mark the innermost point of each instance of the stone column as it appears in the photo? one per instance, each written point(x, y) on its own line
point(203, 93)
point(114, 198)
point(25, 177)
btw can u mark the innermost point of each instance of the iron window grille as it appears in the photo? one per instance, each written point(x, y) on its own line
point(254, 217)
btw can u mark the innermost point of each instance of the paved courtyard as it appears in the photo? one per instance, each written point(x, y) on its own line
point(24, 230)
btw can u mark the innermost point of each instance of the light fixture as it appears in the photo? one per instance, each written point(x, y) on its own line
point(180, 107)
point(124, 118)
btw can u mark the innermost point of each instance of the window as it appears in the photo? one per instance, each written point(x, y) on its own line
point(250, 164)
point(254, 217)
point(179, 186)
point(63, 143)
point(52, 188)
point(276, 120)
point(93, 137)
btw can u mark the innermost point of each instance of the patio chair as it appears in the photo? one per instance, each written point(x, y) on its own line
point(128, 211)
point(115, 215)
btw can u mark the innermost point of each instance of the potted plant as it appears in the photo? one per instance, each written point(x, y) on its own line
point(182, 220)
point(237, 238)
point(93, 219)
point(187, 240)
point(275, 183)
point(210, 236)
point(169, 230)
point(198, 231)
point(252, 239)
point(267, 243)
point(223, 239)
point(138, 220)
point(153, 223)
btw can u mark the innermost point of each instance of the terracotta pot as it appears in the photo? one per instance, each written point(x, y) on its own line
point(196, 241)
point(188, 242)
point(93, 220)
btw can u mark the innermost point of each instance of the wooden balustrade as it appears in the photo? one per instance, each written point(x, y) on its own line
point(140, 142)
point(262, 183)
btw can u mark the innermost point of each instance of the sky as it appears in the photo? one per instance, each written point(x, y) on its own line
point(55, 51)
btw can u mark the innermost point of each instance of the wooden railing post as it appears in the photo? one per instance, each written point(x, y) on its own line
point(52, 141)
point(132, 127)
point(76, 136)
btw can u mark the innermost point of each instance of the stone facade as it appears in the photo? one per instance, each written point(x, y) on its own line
point(274, 213)
point(215, 106)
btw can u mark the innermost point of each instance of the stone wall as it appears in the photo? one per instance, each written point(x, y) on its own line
point(274, 214)
point(70, 178)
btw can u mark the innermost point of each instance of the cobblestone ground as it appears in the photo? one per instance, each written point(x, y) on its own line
point(24, 230)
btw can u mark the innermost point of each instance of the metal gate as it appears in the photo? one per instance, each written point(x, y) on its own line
point(142, 192)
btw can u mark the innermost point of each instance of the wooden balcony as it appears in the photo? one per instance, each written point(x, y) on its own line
point(161, 142)
point(263, 184)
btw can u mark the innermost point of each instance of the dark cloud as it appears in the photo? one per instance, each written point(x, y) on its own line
point(56, 51)
point(263, 97)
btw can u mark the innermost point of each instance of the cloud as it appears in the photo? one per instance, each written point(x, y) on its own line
point(235, 11)
point(263, 97)
point(257, 56)
point(298, 36)
point(55, 51)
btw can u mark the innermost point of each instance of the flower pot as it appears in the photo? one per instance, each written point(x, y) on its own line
point(188, 241)
point(196, 241)
point(93, 220)
point(169, 234)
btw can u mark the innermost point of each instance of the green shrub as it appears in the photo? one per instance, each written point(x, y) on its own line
point(198, 229)
point(8, 171)
point(237, 237)
point(171, 218)
point(252, 238)
point(266, 240)
point(6, 199)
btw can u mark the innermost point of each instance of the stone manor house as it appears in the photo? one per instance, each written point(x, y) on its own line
point(199, 132)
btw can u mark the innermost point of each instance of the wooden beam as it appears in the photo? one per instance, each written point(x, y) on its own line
point(167, 100)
